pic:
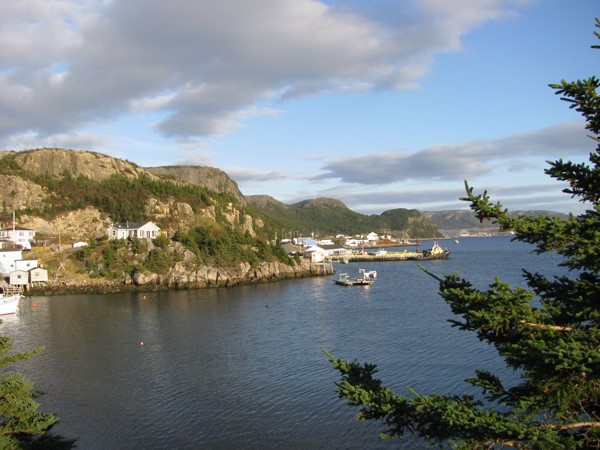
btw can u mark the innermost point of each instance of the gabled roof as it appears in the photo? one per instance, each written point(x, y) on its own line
point(127, 225)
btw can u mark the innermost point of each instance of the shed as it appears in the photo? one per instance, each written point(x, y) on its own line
point(18, 278)
point(38, 275)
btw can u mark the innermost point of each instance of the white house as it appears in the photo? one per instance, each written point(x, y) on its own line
point(26, 264)
point(315, 253)
point(372, 236)
point(8, 256)
point(128, 229)
point(20, 236)
point(319, 253)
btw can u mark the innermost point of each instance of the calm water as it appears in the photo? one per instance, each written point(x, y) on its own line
point(243, 367)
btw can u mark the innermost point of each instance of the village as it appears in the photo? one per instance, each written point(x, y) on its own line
point(21, 273)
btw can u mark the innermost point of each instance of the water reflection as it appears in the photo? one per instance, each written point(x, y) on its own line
point(243, 367)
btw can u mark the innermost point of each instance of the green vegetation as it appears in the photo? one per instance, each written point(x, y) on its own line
point(119, 197)
point(225, 246)
point(550, 334)
point(21, 425)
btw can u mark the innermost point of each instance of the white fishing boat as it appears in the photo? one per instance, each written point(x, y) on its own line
point(366, 278)
point(9, 300)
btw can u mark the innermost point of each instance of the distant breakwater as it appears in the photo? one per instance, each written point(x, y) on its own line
point(182, 278)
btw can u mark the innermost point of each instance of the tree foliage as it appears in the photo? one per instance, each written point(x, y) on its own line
point(227, 246)
point(21, 424)
point(550, 333)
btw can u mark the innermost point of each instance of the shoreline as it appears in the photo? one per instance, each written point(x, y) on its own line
point(203, 278)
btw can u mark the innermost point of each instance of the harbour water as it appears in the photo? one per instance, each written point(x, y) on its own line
point(243, 367)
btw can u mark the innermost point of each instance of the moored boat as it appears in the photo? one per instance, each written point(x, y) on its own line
point(366, 278)
point(9, 300)
point(436, 252)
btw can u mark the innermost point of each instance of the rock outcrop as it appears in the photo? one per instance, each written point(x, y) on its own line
point(57, 161)
point(181, 277)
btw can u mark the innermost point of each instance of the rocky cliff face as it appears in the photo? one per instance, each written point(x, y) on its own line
point(57, 162)
point(17, 193)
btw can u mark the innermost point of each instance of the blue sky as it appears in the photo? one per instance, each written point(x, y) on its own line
point(380, 104)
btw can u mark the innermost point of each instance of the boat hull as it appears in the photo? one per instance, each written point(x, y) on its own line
point(357, 282)
point(9, 304)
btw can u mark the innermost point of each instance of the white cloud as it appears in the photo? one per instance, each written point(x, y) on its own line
point(458, 162)
point(203, 64)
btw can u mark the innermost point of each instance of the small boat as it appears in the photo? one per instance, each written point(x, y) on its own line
point(9, 300)
point(365, 279)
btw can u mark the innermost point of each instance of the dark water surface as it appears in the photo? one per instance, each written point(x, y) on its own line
point(243, 367)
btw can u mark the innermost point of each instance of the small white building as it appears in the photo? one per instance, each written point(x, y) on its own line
point(372, 237)
point(128, 229)
point(20, 236)
point(38, 275)
point(8, 257)
point(315, 253)
point(26, 264)
point(319, 253)
point(18, 278)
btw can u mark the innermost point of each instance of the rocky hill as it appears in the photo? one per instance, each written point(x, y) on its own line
point(76, 195)
point(207, 177)
point(56, 162)
point(454, 221)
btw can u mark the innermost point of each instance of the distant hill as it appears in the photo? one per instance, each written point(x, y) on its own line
point(327, 216)
point(458, 220)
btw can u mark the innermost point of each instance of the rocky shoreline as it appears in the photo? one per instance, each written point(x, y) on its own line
point(180, 278)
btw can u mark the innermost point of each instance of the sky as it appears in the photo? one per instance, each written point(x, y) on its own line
point(380, 104)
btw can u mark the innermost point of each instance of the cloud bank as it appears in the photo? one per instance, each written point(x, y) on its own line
point(203, 67)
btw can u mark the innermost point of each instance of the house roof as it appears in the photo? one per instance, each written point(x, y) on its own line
point(16, 229)
point(331, 247)
point(127, 225)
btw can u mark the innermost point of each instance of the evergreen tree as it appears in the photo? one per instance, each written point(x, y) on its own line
point(21, 425)
point(550, 333)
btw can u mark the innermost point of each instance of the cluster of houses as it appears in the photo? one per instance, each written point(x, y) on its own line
point(22, 273)
point(324, 250)
point(18, 271)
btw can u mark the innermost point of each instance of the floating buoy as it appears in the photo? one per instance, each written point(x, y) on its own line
point(142, 343)
point(35, 305)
